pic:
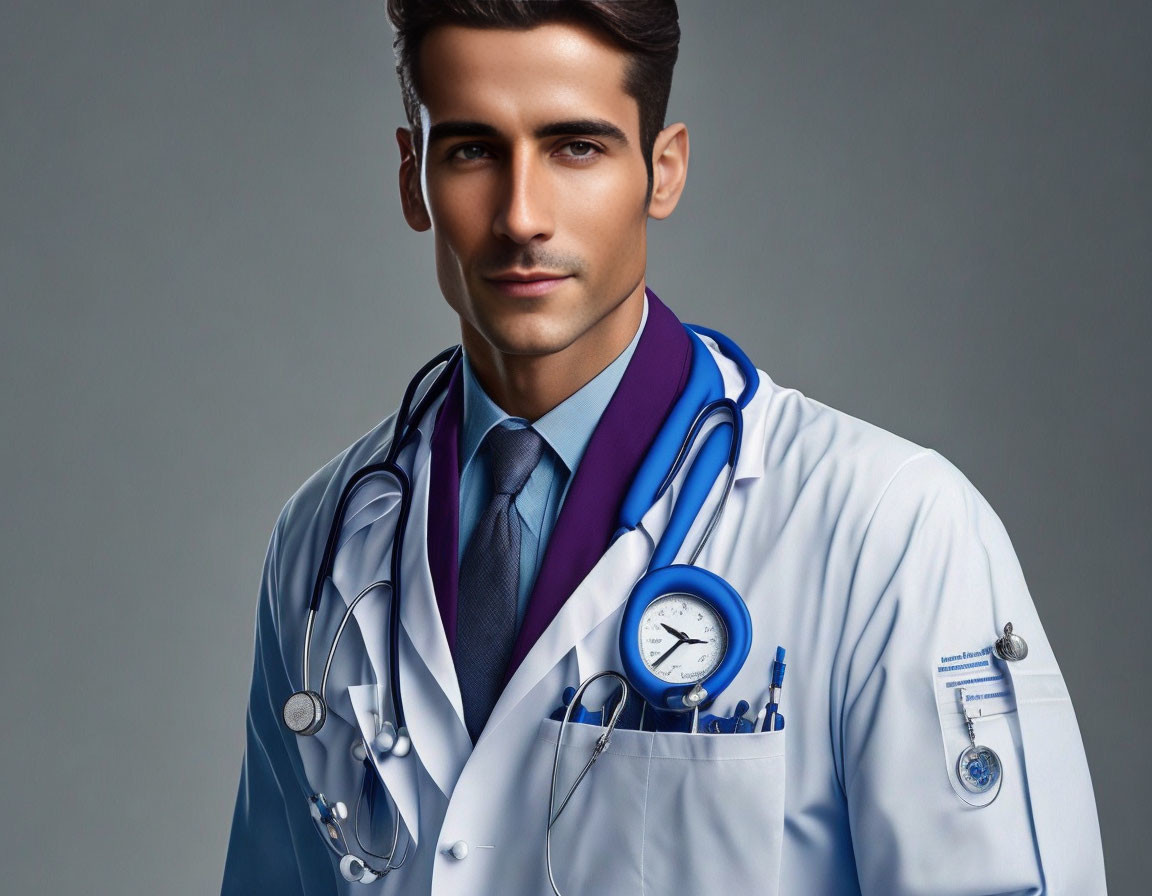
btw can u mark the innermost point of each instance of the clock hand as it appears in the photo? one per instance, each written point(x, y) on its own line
point(667, 653)
point(680, 635)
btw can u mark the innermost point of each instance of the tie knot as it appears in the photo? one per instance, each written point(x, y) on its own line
point(515, 453)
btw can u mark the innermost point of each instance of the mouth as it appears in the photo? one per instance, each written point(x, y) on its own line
point(526, 283)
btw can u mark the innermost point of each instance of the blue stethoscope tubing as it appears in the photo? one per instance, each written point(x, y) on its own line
point(704, 387)
point(701, 399)
point(703, 396)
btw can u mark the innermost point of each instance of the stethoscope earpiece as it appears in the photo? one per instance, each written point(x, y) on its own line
point(304, 713)
point(387, 742)
point(403, 743)
point(385, 737)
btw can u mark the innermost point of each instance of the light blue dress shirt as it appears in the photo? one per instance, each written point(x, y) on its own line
point(566, 430)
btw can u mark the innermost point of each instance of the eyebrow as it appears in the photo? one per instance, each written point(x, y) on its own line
point(582, 127)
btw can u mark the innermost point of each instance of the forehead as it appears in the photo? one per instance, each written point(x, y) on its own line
point(523, 77)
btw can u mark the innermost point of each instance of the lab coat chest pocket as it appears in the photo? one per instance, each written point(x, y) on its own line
point(669, 813)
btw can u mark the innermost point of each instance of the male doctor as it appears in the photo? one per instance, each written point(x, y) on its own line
point(535, 156)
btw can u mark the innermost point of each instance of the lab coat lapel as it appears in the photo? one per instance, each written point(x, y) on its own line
point(430, 690)
point(362, 558)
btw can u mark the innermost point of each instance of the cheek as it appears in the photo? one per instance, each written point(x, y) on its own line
point(611, 214)
point(610, 192)
point(456, 215)
point(615, 237)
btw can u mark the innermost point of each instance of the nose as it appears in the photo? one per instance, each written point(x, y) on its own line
point(524, 212)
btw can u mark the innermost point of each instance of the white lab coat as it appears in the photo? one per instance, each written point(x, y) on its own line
point(869, 558)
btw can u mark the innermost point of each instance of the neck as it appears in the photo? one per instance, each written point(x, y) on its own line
point(530, 385)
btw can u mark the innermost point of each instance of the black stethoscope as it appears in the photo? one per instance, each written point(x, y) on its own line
point(305, 711)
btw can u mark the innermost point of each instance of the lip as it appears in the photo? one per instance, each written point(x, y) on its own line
point(519, 275)
point(527, 283)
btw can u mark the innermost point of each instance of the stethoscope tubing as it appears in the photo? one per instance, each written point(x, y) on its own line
point(340, 631)
point(405, 433)
point(736, 419)
point(370, 782)
point(601, 745)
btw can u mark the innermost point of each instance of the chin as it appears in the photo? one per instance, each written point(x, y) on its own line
point(527, 339)
point(537, 330)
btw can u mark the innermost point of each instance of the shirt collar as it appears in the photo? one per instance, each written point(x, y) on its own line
point(567, 428)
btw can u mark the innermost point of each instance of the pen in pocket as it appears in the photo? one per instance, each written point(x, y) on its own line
point(769, 718)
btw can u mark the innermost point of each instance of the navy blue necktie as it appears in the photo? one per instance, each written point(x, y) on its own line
point(490, 578)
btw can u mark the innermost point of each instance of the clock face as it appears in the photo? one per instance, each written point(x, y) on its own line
point(682, 639)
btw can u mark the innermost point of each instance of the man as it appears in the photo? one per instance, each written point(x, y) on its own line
point(920, 757)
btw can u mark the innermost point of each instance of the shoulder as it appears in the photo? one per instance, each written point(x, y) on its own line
point(870, 485)
point(793, 430)
point(302, 526)
point(834, 470)
point(904, 522)
point(788, 433)
point(906, 545)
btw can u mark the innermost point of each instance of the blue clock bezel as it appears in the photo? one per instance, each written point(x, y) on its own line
point(713, 590)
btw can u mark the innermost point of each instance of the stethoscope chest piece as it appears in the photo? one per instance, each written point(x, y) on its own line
point(304, 712)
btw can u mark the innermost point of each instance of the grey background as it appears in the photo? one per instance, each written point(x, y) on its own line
point(935, 216)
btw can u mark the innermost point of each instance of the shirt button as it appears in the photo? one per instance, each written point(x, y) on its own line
point(458, 850)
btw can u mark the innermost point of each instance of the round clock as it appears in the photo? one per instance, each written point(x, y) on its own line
point(684, 636)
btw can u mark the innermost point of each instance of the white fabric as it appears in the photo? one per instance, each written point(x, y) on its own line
point(867, 557)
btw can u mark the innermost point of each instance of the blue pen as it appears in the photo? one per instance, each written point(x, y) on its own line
point(775, 721)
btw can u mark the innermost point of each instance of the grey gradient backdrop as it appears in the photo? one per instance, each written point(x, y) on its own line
point(932, 215)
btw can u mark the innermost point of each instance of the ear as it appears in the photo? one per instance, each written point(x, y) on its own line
point(669, 169)
point(411, 196)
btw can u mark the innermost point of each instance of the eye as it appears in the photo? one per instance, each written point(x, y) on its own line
point(468, 152)
point(581, 149)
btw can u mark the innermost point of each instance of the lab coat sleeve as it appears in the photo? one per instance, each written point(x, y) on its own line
point(936, 573)
point(273, 846)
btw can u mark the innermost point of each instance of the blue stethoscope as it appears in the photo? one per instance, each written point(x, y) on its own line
point(666, 689)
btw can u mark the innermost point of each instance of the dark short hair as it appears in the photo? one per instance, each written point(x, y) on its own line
point(647, 30)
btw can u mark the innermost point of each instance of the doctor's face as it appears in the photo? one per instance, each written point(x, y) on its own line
point(533, 183)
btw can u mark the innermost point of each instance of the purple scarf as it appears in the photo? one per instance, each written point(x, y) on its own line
point(652, 382)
